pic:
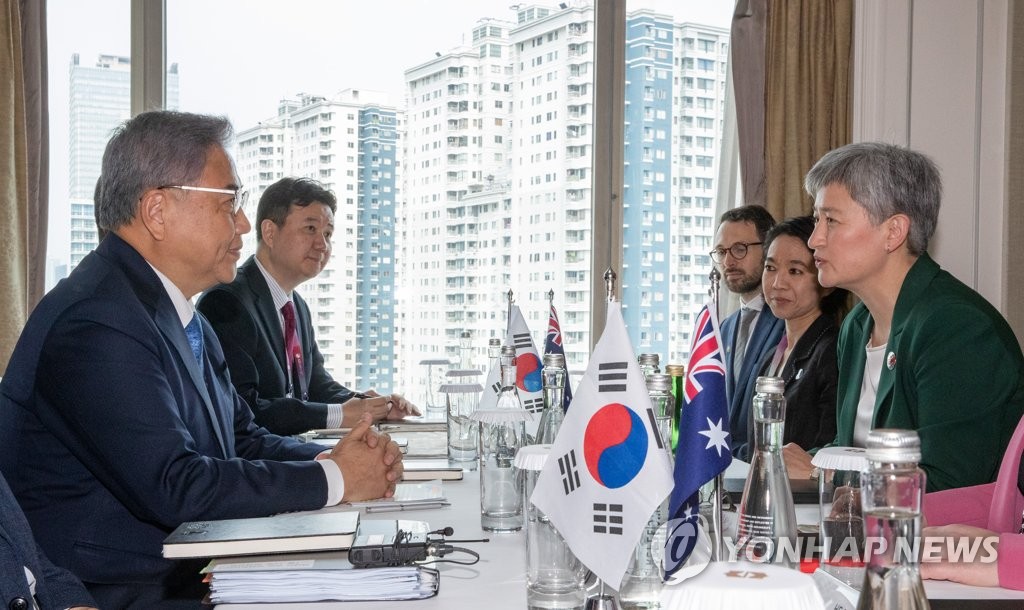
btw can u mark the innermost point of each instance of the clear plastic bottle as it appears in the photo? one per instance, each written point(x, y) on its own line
point(641, 587)
point(493, 353)
point(659, 388)
point(767, 517)
point(553, 376)
point(502, 434)
point(892, 489)
point(648, 364)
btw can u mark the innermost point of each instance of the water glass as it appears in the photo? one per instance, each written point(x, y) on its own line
point(461, 400)
point(554, 576)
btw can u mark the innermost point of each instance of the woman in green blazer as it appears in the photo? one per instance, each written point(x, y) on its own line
point(922, 350)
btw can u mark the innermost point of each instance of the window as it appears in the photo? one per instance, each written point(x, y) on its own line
point(461, 186)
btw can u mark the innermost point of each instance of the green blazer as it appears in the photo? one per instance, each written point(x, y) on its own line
point(952, 371)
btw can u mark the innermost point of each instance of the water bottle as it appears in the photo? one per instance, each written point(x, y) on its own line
point(767, 517)
point(678, 374)
point(892, 489)
point(641, 587)
point(553, 376)
point(659, 387)
point(648, 364)
point(502, 434)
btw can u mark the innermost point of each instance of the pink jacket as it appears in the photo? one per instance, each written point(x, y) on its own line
point(996, 506)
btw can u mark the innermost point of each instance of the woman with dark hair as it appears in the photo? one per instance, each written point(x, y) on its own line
point(805, 357)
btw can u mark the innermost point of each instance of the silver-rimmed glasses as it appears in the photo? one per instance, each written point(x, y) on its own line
point(239, 195)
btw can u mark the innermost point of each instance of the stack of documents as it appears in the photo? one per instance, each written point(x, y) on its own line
point(313, 577)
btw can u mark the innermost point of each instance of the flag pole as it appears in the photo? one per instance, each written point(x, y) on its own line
point(508, 318)
point(603, 600)
point(717, 544)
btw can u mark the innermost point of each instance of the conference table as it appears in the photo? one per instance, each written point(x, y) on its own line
point(498, 580)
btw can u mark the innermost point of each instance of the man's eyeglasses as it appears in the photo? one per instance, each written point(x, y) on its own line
point(240, 196)
point(738, 251)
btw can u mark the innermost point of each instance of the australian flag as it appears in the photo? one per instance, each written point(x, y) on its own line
point(703, 451)
point(553, 345)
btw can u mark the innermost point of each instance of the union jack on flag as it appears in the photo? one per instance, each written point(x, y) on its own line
point(553, 345)
point(703, 450)
point(705, 353)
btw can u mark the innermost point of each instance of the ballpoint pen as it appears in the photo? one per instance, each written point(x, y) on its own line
point(398, 506)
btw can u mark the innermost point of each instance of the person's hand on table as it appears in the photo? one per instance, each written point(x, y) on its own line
point(983, 571)
point(798, 461)
point(400, 408)
point(381, 408)
point(370, 462)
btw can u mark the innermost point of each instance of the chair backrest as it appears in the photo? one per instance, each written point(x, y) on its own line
point(1007, 501)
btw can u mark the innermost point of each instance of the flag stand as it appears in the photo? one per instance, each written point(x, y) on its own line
point(601, 601)
point(717, 544)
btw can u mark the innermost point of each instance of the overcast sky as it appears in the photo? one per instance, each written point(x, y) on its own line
point(240, 57)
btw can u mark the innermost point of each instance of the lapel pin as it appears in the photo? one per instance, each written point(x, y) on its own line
point(890, 360)
point(799, 373)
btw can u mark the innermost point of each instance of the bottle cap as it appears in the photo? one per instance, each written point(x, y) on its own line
point(554, 360)
point(675, 370)
point(770, 385)
point(508, 350)
point(648, 359)
point(890, 445)
point(493, 342)
point(659, 382)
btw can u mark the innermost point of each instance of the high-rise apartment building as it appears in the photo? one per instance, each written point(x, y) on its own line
point(675, 87)
point(99, 102)
point(350, 143)
point(700, 64)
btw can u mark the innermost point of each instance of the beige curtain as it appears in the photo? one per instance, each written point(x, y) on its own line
point(23, 164)
point(749, 21)
point(808, 109)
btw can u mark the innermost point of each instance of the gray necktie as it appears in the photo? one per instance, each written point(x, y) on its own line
point(742, 336)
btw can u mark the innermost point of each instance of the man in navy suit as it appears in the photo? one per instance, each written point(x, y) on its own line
point(752, 331)
point(26, 574)
point(118, 420)
point(289, 391)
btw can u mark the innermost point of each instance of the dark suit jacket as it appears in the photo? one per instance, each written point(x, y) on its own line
point(810, 375)
point(111, 434)
point(763, 338)
point(243, 315)
point(956, 376)
point(55, 588)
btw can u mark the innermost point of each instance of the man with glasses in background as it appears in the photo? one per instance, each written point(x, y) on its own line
point(118, 420)
point(752, 331)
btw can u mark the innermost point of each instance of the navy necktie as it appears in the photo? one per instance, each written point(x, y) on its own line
point(194, 332)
